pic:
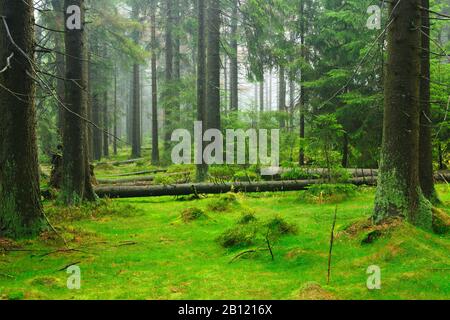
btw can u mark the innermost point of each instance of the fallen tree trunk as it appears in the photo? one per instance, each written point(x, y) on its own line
point(116, 163)
point(139, 173)
point(323, 172)
point(140, 179)
point(211, 188)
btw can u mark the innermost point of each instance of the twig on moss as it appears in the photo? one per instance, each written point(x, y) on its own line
point(331, 245)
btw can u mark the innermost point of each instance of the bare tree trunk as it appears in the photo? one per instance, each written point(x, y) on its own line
point(20, 208)
point(168, 90)
point(155, 135)
point(115, 112)
point(105, 124)
point(282, 96)
point(136, 106)
point(60, 67)
point(202, 169)
point(261, 95)
point(425, 142)
point(302, 86)
point(76, 185)
point(234, 75)
point(399, 192)
point(213, 66)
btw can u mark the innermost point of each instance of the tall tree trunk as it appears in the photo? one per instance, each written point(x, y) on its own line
point(136, 105)
point(213, 66)
point(177, 60)
point(97, 139)
point(168, 92)
point(399, 192)
point(105, 124)
point(115, 113)
point(202, 169)
point(155, 136)
point(21, 213)
point(425, 143)
point(76, 185)
point(302, 86)
point(60, 67)
point(282, 96)
point(261, 95)
point(234, 75)
point(97, 134)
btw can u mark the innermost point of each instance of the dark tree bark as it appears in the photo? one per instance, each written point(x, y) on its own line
point(95, 106)
point(261, 95)
point(425, 142)
point(136, 105)
point(213, 65)
point(168, 90)
point(105, 124)
point(202, 169)
point(155, 135)
point(345, 151)
point(60, 67)
point(302, 86)
point(282, 96)
point(234, 75)
point(76, 185)
point(213, 188)
point(399, 192)
point(21, 213)
point(177, 59)
point(115, 131)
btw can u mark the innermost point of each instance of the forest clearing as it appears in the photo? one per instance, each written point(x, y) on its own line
point(224, 150)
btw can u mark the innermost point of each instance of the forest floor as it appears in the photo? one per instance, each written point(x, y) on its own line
point(140, 248)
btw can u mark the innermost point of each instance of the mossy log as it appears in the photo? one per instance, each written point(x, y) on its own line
point(211, 188)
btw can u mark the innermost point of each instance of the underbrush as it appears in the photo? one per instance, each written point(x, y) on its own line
point(90, 210)
point(224, 203)
point(328, 193)
point(249, 230)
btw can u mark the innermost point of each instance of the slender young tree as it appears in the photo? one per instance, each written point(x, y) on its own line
point(105, 124)
point(399, 192)
point(136, 98)
point(234, 75)
point(21, 213)
point(115, 111)
point(155, 135)
point(76, 182)
point(282, 95)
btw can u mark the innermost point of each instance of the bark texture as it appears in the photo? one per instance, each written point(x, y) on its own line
point(21, 213)
point(76, 184)
point(425, 142)
point(399, 192)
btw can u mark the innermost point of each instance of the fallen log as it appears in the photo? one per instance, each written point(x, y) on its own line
point(323, 172)
point(116, 163)
point(139, 173)
point(211, 188)
point(139, 179)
